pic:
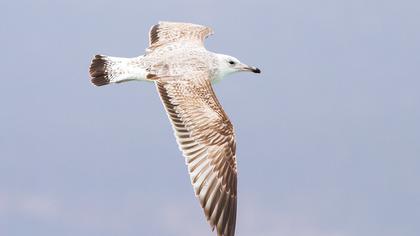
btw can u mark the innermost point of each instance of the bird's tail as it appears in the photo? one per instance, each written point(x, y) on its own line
point(104, 70)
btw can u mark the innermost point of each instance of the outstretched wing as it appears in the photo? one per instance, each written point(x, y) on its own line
point(206, 138)
point(168, 32)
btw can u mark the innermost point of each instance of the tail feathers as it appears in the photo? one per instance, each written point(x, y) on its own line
point(99, 70)
point(105, 70)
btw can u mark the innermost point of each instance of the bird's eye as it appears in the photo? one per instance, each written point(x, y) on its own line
point(231, 62)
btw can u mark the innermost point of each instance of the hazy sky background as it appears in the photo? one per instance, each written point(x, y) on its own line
point(328, 135)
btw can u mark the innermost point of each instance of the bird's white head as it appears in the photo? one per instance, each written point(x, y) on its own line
point(228, 65)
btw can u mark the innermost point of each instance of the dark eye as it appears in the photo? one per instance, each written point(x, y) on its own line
point(232, 62)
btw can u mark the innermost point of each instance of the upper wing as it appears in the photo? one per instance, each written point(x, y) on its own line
point(206, 138)
point(168, 32)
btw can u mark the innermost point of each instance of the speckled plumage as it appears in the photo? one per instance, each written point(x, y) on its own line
point(183, 70)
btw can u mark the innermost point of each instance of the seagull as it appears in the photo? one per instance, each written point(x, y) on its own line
point(183, 72)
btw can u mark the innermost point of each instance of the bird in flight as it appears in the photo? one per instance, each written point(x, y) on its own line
point(183, 72)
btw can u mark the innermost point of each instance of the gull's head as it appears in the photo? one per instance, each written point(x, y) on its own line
point(228, 65)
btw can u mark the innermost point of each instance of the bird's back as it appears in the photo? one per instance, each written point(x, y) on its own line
point(178, 59)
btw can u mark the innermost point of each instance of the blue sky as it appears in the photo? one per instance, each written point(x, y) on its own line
point(328, 135)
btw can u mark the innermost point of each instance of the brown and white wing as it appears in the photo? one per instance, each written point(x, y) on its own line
point(206, 138)
point(169, 32)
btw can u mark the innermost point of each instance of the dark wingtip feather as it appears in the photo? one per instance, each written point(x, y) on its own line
point(98, 72)
point(154, 36)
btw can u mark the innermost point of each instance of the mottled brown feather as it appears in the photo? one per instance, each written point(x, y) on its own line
point(169, 32)
point(208, 146)
point(98, 72)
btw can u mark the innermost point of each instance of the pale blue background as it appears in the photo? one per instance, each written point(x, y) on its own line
point(328, 135)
